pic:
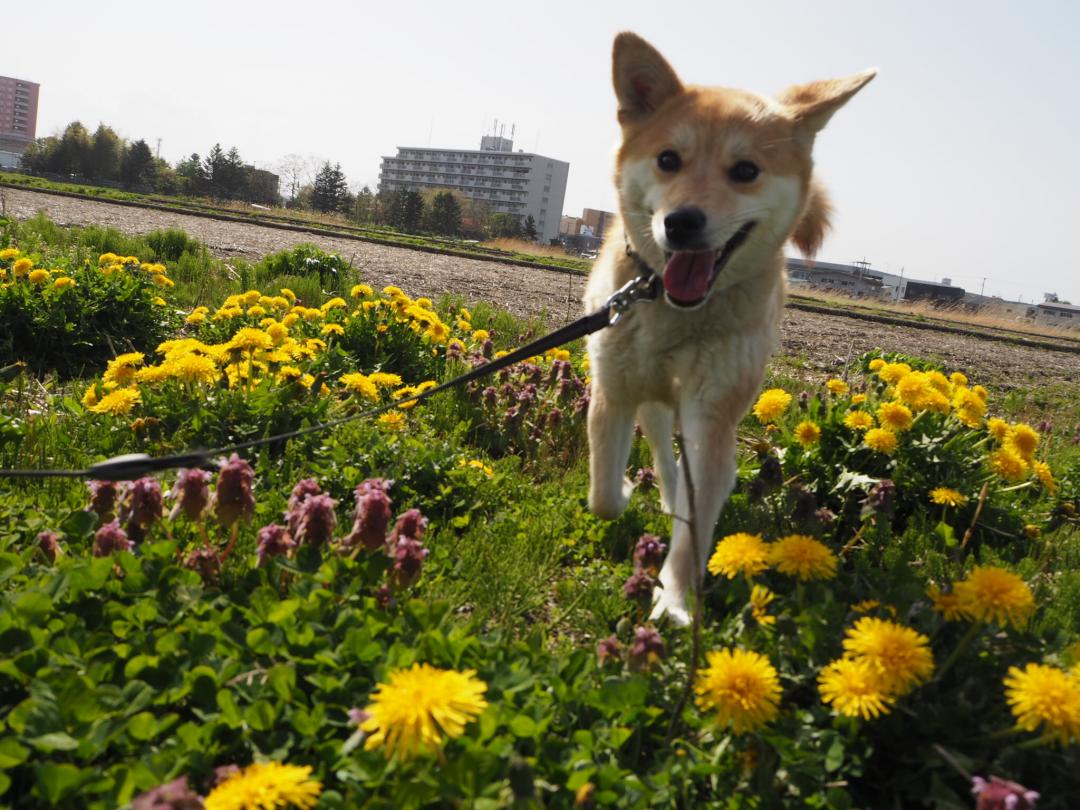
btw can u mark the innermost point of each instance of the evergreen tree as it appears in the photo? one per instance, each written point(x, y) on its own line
point(214, 171)
point(365, 207)
point(137, 168)
point(331, 190)
point(73, 151)
point(505, 226)
point(528, 228)
point(444, 215)
point(193, 173)
point(234, 177)
point(106, 152)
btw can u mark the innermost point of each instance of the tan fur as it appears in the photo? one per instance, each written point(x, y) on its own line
point(698, 367)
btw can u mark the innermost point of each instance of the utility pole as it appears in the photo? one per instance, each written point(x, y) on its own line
point(983, 287)
point(158, 153)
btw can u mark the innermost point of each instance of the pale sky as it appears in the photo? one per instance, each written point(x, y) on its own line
point(959, 160)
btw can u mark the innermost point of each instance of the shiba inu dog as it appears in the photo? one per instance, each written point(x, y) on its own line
point(712, 183)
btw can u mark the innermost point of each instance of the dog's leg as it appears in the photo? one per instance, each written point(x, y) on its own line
point(657, 422)
point(611, 431)
point(709, 442)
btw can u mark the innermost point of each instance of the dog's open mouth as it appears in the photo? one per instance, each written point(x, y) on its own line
point(690, 274)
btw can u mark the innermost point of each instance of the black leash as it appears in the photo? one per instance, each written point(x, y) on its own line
point(135, 465)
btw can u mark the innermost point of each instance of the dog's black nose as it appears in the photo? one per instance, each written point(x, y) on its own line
point(684, 226)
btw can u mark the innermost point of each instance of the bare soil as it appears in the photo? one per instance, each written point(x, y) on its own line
point(814, 341)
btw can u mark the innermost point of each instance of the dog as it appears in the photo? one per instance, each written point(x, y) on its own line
point(712, 183)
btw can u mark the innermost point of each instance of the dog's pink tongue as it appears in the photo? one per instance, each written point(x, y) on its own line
point(688, 273)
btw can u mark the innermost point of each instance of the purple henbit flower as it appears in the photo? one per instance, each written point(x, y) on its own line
point(409, 556)
point(508, 392)
point(384, 597)
point(1045, 427)
point(174, 795)
point(191, 492)
point(1001, 794)
point(511, 417)
point(317, 520)
point(206, 562)
point(49, 545)
point(223, 772)
point(804, 400)
point(649, 554)
point(141, 507)
point(300, 493)
point(881, 499)
point(490, 396)
point(565, 389)
point(358, 716)
point(639, 588)
point(532, 373)
point(645, 477)
point(371, 517)
point(103, 495)
point(824, 516)
point(111, 538)
point(410, 523)
point(581, 404)
point(527, 395)
point(646, 649)
point(453, 351)
point(805, 506)
point(274, 541)
point(537, 433)
point(234, 499)
point(609, 650)
point(487, 348)
point(477, 360)
point(554, 418)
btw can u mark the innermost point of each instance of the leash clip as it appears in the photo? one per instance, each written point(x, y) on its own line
point(642, 288)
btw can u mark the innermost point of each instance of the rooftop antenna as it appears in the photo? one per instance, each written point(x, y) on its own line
point(513, 128)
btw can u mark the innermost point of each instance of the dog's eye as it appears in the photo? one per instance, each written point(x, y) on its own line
point(669, 161)
point(744, 172)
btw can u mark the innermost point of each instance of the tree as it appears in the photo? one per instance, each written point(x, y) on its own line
point(73, 151)
point(40, 156)
point(365, 209)
point(444, 215)
point(233, 176)
point(137, 168)
point(214, 169)
point(403, 210)
point(505, 226)
point(330, 190)
point(193, 174)
point(528, 228)
point(295, 171)
point(106, 152)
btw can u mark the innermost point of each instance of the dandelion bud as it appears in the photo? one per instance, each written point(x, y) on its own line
point(111, 538)
point(142, 507)
point(645, 477)
point(233, 498)
point(371, 518)
point(49, 545)
point(409, 555)
point(490, 396)
point(205, 562)
point(1001, 794)
point(649, 553)
point(609, 650)
point(274, 541)
point(174, 795)
point(300, 493)
point(317, 520)
point(191, 493)
point(646, 649)
point(103, 496)
point(639, 588)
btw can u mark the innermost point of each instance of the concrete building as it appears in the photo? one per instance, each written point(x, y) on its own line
point(569, 226)
point(1052, 312)
point(596, 220)
point(857, 279)
point(519, 183)
point(18, 118)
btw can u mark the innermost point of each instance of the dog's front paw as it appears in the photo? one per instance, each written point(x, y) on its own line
point(671, 604)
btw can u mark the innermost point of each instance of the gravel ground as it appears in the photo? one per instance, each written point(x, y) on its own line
point(820, 341)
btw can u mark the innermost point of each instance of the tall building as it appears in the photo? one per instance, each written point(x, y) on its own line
point(18, 118)
point(519, 183)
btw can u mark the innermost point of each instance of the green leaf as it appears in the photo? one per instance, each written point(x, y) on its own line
point(260, 715)
point(142, 726)
point(78, 524)
point(12, 753)
point(523, 726)
point(834, 757)
point(54, 741)
point(283, 610)
point(56, 782)
point(32, 604)
point(946, 533)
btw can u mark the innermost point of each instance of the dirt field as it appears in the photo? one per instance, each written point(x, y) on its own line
point(820, 341)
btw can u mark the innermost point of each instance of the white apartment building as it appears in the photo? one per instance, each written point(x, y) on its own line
point(520, 183)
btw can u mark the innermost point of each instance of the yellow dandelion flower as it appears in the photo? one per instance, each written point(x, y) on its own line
point(250, 339)
point(38, 276)
point(804, 557)
point(958, 379)
point(426, 385)
point(158, 301)
point(969, 408)
point(63, 283)
point(866, 605)
point(944, 496)
point(892, 373)
point(939, 381)
point(807, 433)
point(193, 368)
point(385, 379)
point(947, 604)
point(334, 303)
point(880, 440)
point(1041, 695)
point(118, 402)
point(1024, 439)
point(121, 369)
point(480, 335)
point(463, 325)
point(989, 593)
point(899, 656)
point(1008, 463)
point(393, 292)
point(438, 332)
point(163, 281)
point(998, 428)
point(289, 374)
point(876, 364)
point(315, 345)
point(361, 291)
point(476, 464)
point(894, 416)
point(333, 329)
point(740, 553)
point(916, 390)
point(760, 598)
point(22, 267)
point(7, 254)
point(1045, 476)
point(418, 707)
point(741, 686)
point(853, 688)
point(859, 420)
point(837, 386)
point(406, 393)
point(858, 399)
point(771, 404)
point(981, 392)
point(360, 384)
point(290, 319)
point(277, 332)
point(90, 396)
point(393, 420)
point(266, 786)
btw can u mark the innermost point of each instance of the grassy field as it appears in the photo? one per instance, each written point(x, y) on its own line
point(420, 610)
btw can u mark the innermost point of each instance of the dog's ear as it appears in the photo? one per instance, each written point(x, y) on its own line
point(814, 223)
point(643, 78)
point(812, 105)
